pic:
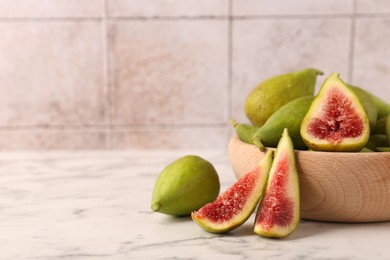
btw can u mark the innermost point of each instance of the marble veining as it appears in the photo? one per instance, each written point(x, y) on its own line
point(96, 205)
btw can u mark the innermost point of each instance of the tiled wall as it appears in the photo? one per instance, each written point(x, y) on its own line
point(128, 74)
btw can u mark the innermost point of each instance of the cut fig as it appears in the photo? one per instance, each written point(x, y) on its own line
point(234, 206)
point(336, 120)
point(278, 214)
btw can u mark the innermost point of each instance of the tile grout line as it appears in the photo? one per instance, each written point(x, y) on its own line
point(209, 17)
point(229, 67)
point(107, 78)
point(352, 42)
point(311, 16)
point(170, 126)
point(50, 19)
point(113, 126)
point(54, 127)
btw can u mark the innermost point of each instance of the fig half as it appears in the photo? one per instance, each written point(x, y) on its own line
point(234, 206)
point(278, 214)
point(336, 120)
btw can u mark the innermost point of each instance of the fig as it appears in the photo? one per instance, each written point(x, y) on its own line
point(388, 129)
point(234, 206)
point(383, 127)
point(288, 116)
point(383, 149)
point(368, 103)
point(271, 94)
point(375, 141)
point(380, 128)
point(244, 131)
point(366, 150)
point(185, 185)
point(383, 106)
point(336, 120)
point(278, 214)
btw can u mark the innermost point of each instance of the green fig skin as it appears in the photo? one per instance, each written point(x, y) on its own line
point(388, 129)
point(278, 214)
point(383, 106)
point(244, 131)
point(325, 128)
point(368, 103)
point(380, 128)
point(227, 201)
point(271, 94)
point(375, 141)
point(383, 149)
point(366, 150)
point(185, 185)
point(289, 116)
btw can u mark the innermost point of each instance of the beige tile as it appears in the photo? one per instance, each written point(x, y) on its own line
point(372, 6)
point(171, 138)
point(285, 45)
point(168, 8)
point(291, 7)
point(371, 67)
point(51, 8)
point(169, 72)
point(51, 73)
point(52, 139)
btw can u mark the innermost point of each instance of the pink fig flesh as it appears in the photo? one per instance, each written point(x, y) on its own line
point(233, 207)
point(278, 214)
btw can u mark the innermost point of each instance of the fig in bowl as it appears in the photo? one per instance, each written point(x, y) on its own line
point(334, 186)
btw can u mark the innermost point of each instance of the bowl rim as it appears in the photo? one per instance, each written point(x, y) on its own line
point(236, 138)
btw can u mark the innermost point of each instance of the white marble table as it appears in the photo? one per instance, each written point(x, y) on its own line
point(96, 205)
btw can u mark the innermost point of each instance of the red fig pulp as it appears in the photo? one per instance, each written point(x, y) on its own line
point(279, 211)
point(233, 207)
point(336, 120)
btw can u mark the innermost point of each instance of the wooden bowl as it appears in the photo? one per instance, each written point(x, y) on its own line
point(334, 186)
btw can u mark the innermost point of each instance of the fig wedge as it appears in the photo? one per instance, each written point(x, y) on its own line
point(278, 214)
point(234, 206)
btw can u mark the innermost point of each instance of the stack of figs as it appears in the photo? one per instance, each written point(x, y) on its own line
point(287, 115)
point(340, 117)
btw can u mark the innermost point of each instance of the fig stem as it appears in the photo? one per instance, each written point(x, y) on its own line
point(319, 72)
point(233, 122)
point(156, 206)
point(258, 143)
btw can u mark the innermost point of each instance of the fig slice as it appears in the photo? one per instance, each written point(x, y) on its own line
point(278, 214)
point(336, 120)
point(234, 206)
